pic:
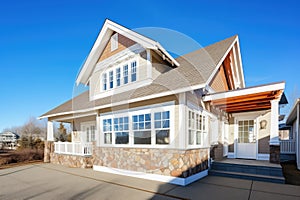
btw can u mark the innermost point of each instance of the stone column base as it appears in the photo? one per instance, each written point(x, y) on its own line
point(275, 154)
point(48, 150)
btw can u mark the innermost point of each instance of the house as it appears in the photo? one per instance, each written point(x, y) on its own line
point(150, 115)
point(8, 140)
point(292, 144)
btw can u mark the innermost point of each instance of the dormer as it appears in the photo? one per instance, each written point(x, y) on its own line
point(121, 60)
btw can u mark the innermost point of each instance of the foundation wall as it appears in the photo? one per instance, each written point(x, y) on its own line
point(169, 162)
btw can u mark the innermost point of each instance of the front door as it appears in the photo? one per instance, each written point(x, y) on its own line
point(88, 132)
point(246, 142)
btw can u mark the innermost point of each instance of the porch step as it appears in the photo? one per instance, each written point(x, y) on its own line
point(247, 171)
point(254, 177)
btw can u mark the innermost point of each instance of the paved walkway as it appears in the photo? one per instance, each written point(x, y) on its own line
point(48, 181)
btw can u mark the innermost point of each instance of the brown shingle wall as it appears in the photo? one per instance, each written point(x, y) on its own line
point(123, 44)
point(219, 83)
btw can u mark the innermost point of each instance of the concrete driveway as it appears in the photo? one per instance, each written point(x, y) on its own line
point(48, 181)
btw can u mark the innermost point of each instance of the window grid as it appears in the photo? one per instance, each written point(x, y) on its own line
point(196, 128)
point(133, 71)
point(162, 127)
point(125, 74)
point(111, 79)
point(121, 130)
point(246, 131)
point(118, 76)
point(107, 130)
point(104, 78)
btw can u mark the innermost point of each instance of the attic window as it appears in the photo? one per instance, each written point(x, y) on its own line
point(114, 42)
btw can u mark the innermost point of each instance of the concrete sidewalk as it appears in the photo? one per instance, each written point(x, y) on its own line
point(48, 181)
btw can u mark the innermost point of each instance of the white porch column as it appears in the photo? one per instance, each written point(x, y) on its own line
point(98, 128)
point(182, 134)
point(50, 134)
point(274, 133)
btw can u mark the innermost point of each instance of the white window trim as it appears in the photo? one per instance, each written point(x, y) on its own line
point(130, 113)
point(204, 141)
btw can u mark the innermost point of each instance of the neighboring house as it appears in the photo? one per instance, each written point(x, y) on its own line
point(293, 122)
point(150, 115)
point(9, 140)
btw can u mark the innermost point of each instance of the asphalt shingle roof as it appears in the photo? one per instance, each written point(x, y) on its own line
point(195, 68)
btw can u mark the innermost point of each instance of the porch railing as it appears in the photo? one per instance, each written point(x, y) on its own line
point(287, 146)
point(73, 148)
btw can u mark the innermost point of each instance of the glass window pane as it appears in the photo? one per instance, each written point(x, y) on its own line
point(107, 138)
point(135, 118)
point(126, 127)
point(148, 117)
point(162, 137)
point(191, 137)
point(198, 137)
point(157, 124)
point(135, 126)
point(141, 118)
point(147, 125)
point(125, 119)
point(141, 125)
point(122, 138)
point(157, 116)
point(166, 115)
point(166, 124)
point(142, 137)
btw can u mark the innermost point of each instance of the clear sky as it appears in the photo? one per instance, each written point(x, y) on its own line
point(44, 43)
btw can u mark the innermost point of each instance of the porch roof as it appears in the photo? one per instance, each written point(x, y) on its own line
point(246, 99)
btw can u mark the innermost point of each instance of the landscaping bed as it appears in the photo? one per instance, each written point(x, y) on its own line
point(291, 173)
point(12, 157)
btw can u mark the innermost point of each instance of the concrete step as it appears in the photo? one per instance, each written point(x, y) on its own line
point(247, 169)
point(247, 176)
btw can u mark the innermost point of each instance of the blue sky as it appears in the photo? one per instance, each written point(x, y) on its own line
point(44, 43)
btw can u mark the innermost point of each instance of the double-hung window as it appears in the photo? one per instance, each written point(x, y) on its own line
point(107, 131)
point(111, 79)
point(118, 76)
point(104, 81)
point(121, 130)
point(125, 74)
point(162, 127)
point(133, 71)
point(197, 133)
point(142, 128)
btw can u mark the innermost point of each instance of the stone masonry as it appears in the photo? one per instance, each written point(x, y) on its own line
point(169, 162)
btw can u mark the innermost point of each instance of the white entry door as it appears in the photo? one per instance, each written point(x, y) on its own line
point(88, 132)
point(246, 141)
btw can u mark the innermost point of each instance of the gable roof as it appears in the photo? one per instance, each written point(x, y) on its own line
point(194, 72)
point(108, 28)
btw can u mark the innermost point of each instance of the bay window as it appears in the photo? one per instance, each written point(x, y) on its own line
point(145, 127)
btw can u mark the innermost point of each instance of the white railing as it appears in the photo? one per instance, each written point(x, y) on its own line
point(287, 146)
point(73, 148)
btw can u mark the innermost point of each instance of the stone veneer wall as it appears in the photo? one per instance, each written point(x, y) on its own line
point(169, 162)
point(275, 154)
point(72, 160)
